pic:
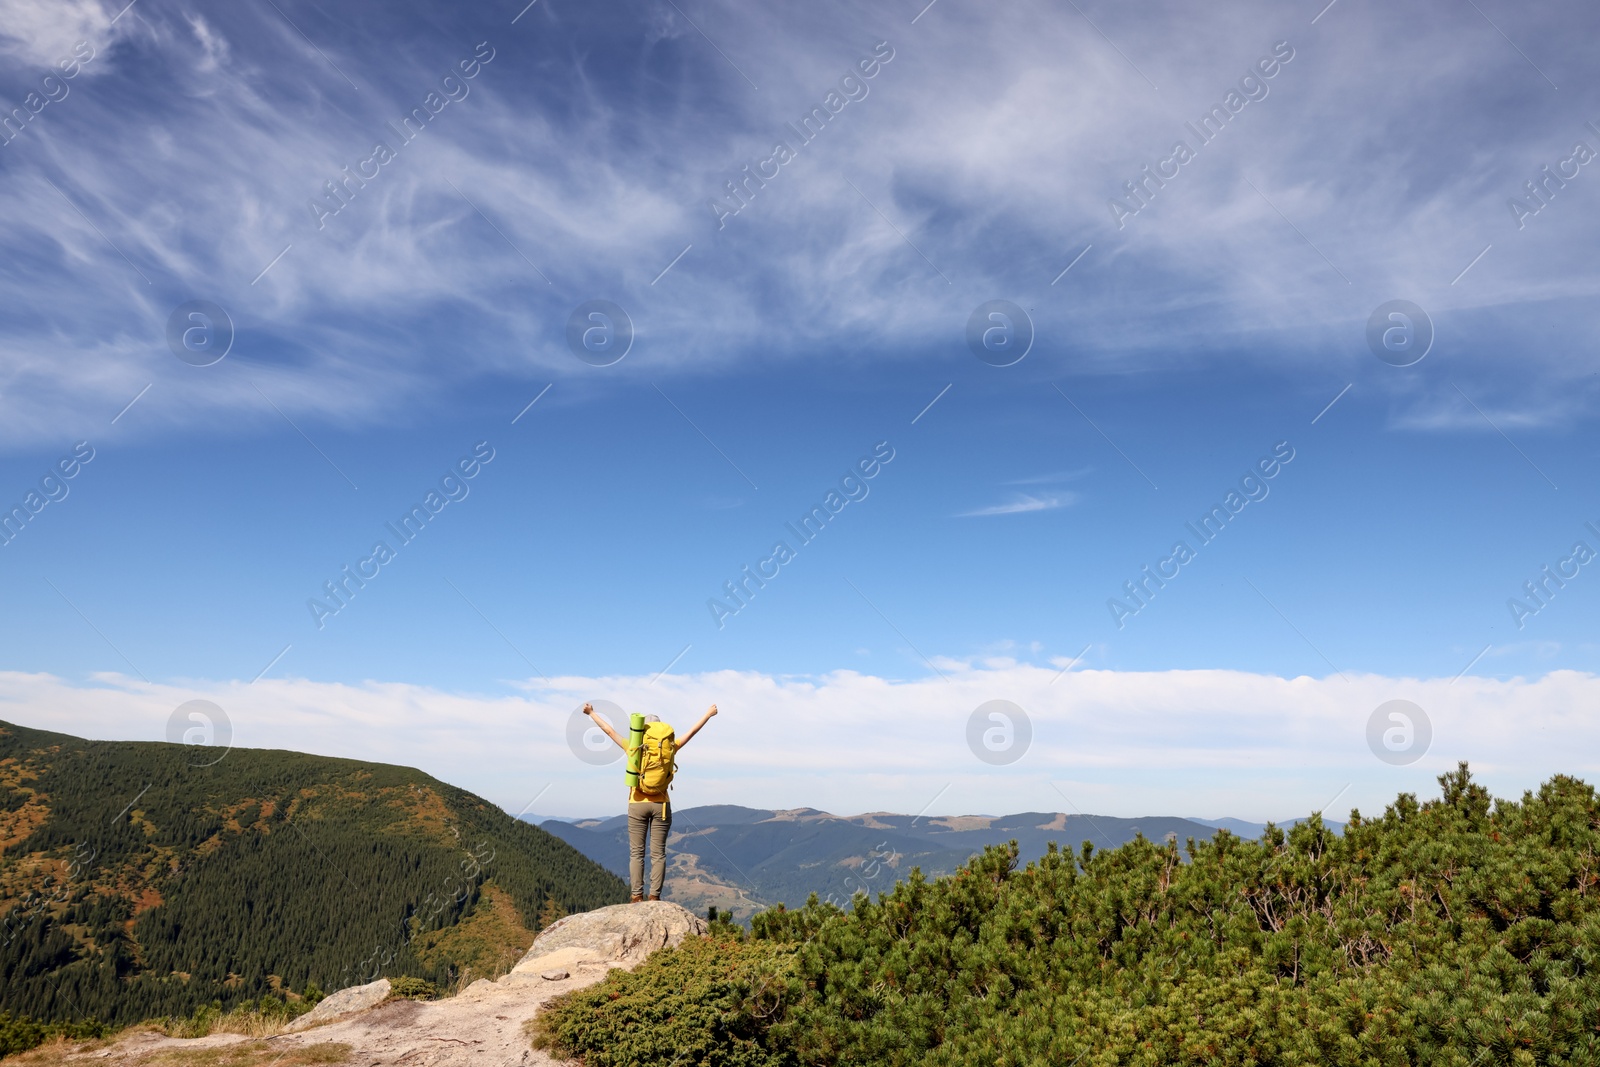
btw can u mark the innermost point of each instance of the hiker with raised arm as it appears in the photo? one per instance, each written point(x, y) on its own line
point(651, 749)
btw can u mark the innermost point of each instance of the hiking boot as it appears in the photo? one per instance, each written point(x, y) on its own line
point(635, 899)
point(655, 896)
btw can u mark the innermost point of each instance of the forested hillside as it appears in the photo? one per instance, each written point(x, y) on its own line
point(133, 884)
point(1460, 932)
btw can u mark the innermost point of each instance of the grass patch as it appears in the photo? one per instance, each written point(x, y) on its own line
point(412, 989)
point(250, 1054)
point(265, 1017)
point(62, 1051)
point(55, 1050)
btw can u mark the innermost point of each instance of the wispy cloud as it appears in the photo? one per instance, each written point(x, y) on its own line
point(1052, 479)
point(1023, 504)
point(601, 173)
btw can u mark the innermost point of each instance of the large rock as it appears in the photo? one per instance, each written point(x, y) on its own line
point(621, 935)
point(580, 948)
point(344, 1002)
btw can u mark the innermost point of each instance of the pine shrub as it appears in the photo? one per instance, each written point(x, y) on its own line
point(1460, 932)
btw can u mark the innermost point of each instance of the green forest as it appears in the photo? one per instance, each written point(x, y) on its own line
point(1459, 932)
point(134, 885)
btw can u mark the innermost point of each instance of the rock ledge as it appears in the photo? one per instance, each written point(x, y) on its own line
point(619, 936)
point(346, 1001)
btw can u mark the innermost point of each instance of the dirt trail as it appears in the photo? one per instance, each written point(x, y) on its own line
point(482, 1025)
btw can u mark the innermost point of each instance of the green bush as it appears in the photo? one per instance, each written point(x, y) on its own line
point(203, 1020)
point(19, 1035)
point(1461, 932)
point(413, 989)
point(722, 925)
point(704, 1002)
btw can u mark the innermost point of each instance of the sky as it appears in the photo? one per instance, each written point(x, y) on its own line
point(395, 378)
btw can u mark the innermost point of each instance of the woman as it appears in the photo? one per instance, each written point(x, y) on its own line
point(647, 811)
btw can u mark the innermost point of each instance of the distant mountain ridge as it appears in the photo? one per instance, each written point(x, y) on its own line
point(744, 859)
point(134, 884)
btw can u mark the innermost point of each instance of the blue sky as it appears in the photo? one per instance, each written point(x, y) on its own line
point(1178, 339)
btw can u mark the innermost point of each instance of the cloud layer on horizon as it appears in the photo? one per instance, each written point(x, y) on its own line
point(1201, 743)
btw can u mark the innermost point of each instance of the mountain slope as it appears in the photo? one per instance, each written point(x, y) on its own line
point(133, 884)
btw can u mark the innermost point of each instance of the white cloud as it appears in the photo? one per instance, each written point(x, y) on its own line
point(1024, 503)
point(1109, 742)
point(1053, 479)
point(1454, 412)
point(39, 34)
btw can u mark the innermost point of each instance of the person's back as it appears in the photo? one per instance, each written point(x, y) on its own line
point(652, 762)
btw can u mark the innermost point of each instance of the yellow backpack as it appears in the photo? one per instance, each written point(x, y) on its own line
point(659, 758)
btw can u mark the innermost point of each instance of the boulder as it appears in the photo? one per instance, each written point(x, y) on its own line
point(577, 949)
point(345, 1002)
point(621, 935)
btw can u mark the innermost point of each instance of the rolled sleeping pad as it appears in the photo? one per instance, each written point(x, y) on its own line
point(635, 748)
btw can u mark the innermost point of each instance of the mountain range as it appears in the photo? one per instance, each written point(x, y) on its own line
point(741, 860)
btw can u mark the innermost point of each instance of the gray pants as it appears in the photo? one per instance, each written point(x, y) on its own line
point(641, 815)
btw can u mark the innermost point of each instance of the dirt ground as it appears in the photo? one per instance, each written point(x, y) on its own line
point(481, 1027)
